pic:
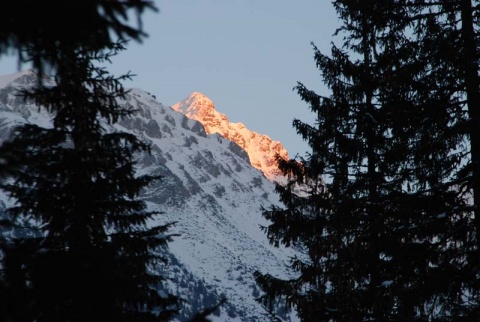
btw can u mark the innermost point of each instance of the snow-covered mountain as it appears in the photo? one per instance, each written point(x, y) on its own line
point(261, 149)
point(209, 188)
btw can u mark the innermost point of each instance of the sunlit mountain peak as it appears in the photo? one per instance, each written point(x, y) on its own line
point(261, 149)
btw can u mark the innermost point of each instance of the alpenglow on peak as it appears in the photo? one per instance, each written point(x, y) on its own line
point(260, 148)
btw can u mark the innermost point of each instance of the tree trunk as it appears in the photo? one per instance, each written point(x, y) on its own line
point(472, 83)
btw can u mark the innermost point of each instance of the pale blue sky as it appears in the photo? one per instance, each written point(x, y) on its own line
point(245, 55)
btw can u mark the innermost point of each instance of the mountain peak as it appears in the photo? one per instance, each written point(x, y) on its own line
point(211, 192)
point(199, 96)
point(5, 80)
point(261, 149)
point(195, 103)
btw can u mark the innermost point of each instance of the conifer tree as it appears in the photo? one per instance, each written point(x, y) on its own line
point(32, 29)
point(387, 233)
point(83, 250)
point(93, 258)
point(447, 32)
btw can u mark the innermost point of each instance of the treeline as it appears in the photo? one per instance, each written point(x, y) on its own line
point(388, 211)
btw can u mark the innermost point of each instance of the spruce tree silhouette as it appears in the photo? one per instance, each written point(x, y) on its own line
point(378, 206)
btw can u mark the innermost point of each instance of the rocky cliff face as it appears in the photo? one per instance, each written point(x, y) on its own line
point(210, 190)
point(261, 149)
